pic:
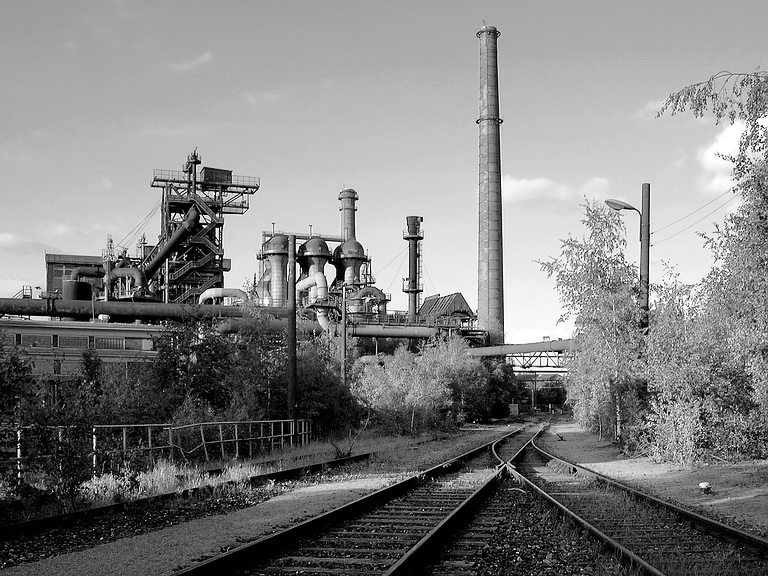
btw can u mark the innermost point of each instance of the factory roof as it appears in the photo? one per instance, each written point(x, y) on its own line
point(437, 306)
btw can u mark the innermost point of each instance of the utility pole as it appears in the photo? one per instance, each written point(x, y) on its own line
point(645, 248)
point(292, 332)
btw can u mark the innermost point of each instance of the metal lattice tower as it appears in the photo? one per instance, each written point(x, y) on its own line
point(197, 202)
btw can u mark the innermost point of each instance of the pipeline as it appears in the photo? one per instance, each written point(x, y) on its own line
point(212, 293)
point(191, 220)
point(506, 349)
point(235, 325)
point(322, 293)
point(138, 276)
point(87, 272)
point(384, 331)
point(87, 309)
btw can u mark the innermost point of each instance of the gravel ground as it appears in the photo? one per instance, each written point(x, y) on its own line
point(536, 541)
point(179, 542)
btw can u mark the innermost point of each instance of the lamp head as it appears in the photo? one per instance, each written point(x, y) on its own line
point(620, 205)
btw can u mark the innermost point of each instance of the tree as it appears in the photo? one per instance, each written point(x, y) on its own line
point(15, 380)
point(431, 388)
point(599, 290)
point(733, 308)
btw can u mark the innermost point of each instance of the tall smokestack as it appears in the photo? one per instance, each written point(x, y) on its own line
point(411, 285)
point(348, 198)
point(490, 257)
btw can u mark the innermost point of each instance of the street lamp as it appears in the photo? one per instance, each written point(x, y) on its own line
point(645, 245)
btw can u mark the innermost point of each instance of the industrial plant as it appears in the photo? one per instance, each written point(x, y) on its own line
point(117, 303)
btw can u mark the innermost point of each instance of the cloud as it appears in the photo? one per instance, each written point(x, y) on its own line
point(9, 240)
point(716, 172)
point(189, 65)
point(15, 244)
point(256, 99)
point(649, 111)
point(532, 193)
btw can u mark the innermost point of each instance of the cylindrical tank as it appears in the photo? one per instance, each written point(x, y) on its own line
point(312, 256)
point(348, 257)
point(76, 290)
point(490, 272)
point(275, 250)
point(348, 197)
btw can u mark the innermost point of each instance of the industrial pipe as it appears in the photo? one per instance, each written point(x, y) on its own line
point(184, 229)
point(87, 309)
point(384, 331)
point(506, 349)
point(138, 276)
point(86, 272)
point(212, 293)
point(235, 325)
point(322, 293)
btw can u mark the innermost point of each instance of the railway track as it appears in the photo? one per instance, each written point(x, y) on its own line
point(395, 530)
point(657, 537)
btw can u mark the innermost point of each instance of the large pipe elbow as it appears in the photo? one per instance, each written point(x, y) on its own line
point(322, 293)
point(86, 272)
point(212, 293)
point(305, 284)
point(138, 276)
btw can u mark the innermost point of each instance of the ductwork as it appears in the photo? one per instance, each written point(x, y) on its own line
point(235, 325)
point(322, 293)
point(385, 331)
point(184, 229)
point(505, 349)
point(138, 276)
point(122, 311)
point(87, 272)
point(212, 293)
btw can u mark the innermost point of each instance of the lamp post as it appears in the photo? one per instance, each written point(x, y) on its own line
point(645, 245)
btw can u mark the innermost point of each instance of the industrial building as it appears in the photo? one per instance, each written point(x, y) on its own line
point(116, 303)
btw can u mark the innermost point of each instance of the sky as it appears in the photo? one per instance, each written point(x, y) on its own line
point(379, 96)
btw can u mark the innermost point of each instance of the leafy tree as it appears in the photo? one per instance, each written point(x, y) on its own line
point(733, 309)
point(15, 380)
point(599, 290)
point(408, 389)
point(321, 395)
point(57, 439)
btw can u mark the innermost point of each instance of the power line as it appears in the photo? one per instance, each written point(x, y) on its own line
point(393, 259)
point(697, 221)
point(396, 271)
point(691, 213)
point(434, 290)
point(133, 232)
